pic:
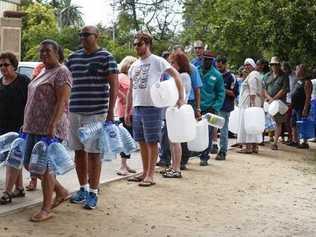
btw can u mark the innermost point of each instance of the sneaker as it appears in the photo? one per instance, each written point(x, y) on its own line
point(303, 146)
point(79, 196)
point(220, 156)
point(214, 149)
point(91, 201)
point(203, 163)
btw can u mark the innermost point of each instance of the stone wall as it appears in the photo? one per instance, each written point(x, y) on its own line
point(10, 35)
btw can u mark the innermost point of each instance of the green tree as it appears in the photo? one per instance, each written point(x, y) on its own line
point(67, 13)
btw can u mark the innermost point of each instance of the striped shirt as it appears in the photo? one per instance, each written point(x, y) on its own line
point(90, 91)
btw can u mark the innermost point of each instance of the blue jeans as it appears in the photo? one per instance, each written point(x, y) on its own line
point(204, 155)
point(224, 132)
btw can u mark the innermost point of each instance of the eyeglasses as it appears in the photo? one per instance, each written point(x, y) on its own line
point(85, 34)
point(5, 64)
point(139, 44)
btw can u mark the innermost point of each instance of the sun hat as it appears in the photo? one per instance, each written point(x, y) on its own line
point(250, 61)
point(275, 60)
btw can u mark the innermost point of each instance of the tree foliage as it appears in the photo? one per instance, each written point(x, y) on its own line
point(253, 28)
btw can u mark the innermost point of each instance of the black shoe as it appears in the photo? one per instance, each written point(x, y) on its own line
point(183, 167)
point(220, 156)
point(203, 163)
point(214, 149)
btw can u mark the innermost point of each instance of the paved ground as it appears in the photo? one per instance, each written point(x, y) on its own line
point(69, 181)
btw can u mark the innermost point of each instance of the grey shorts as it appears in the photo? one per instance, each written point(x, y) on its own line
point(77, 121)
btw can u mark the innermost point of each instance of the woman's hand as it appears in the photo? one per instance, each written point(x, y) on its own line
point(198, 115)
point(127, 119)
point(305, 112)
point(51, 130)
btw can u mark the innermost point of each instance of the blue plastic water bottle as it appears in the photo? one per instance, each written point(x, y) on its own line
point(5, 144)
point(6, 140)
point(39, 161)
point(90, 130)
point(16, 154)
point(59, 157)
point(129, 144)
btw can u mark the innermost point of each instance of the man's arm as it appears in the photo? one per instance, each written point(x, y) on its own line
point(113, 81)
point(129, 104)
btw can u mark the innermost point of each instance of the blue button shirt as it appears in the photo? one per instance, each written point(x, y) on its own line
point(196, 81)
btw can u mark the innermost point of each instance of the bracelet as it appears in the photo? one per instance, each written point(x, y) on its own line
point(198, 109)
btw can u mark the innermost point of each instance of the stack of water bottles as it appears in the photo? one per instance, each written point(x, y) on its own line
point(5, 145)
point(113, 138)
point(52, 155)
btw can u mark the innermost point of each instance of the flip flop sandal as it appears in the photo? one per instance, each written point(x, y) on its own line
point(244, 151)
point(146, 183)
point(131, 170)
point(38, 218)
point(31, 186)
point(135, 179)
point(58, 201)
point(121, 173)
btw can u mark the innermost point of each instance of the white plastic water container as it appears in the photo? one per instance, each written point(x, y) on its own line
point(215, 120)
point(164, 93)
point(266, 106)
point(233, 123)
point(201, 140)
point(60, 158)
point(254, 120)
point(90, 130)
point(277, 106)
point(181, 124)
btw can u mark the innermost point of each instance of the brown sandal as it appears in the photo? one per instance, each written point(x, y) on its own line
point(244, 151)
point(6, 198)
point(39, 218)
point(135, 179)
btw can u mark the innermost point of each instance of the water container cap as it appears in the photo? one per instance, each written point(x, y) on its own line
point(23, 135)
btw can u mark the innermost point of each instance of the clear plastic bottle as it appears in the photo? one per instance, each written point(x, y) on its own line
point(5, 144)
point(39, 161)
point(90, 130)
point(60, 158)
point(214, 120)
point(16, 154)
point(112, 134)
point(129, 144)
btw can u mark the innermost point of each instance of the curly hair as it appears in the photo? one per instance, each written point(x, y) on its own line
point(11, 57)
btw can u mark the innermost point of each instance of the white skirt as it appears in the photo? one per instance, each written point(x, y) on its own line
point(242, 136)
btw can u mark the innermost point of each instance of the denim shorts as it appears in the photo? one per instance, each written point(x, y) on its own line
point(147, 123)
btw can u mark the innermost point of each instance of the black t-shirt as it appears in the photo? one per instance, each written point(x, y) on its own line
point(12, 102)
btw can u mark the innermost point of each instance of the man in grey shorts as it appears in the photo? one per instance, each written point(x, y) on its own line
point(92, 99)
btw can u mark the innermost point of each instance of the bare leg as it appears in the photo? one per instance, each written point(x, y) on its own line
point(173, 154)
point(277, 133)
point(81, 160)
point(177, 157)
point(94, 170)
point(12, 176)
point(295, 134)
point(152, 158)
point(144, 155)
point(123, 169)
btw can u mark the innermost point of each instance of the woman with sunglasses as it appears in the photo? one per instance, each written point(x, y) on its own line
point(13, 95)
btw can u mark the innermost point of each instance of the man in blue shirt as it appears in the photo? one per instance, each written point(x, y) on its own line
point(198, 50)
point(212, 95)
point(231, 91)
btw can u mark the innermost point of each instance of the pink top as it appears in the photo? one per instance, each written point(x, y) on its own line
point(41, 102)
point(124, 83)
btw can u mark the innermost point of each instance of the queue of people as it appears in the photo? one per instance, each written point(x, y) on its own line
point(91, 87)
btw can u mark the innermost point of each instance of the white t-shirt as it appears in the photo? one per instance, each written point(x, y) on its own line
point(186, 81)
point(144, 73)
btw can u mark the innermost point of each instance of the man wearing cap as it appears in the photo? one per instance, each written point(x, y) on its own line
point(276, 86)
point(212, 95)
point(231, 91)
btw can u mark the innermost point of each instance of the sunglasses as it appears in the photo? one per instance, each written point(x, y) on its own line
point(5, 64)
point(198, 47)
point(85, 34)
point(139, 44)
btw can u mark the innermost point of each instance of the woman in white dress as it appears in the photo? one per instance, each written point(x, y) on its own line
point(250, 96)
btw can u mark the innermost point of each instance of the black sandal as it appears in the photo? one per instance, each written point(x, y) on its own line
point(172, 174)
point(6, 198)
point(19, 192)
